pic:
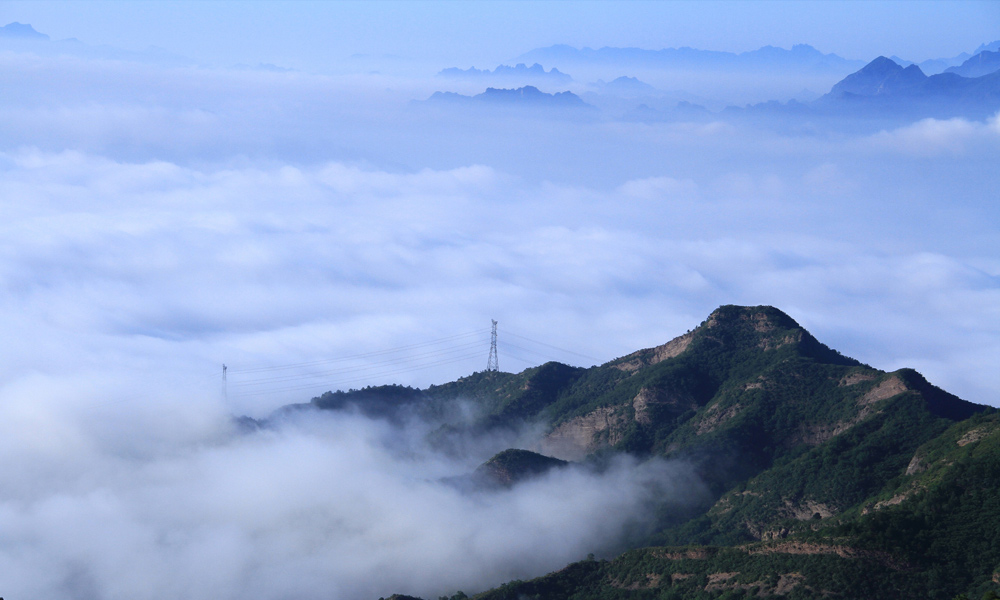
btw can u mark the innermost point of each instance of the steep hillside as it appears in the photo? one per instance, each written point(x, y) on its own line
point(512, 466)
point(781, 427)
point(826, 476)
point(932, 532)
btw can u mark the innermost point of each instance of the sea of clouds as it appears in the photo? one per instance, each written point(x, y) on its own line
point(159, 221)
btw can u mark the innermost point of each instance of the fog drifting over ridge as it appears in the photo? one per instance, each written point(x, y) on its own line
point(161, 221)
point(318, 507)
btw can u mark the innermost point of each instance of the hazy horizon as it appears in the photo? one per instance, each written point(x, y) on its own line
point(309, 35)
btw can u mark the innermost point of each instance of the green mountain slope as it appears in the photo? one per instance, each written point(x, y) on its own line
point(827, 476)
point(932, 532)
point(512, 466)
point(782, 427)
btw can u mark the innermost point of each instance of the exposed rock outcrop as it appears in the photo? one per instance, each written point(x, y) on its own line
point(886, 389)
point(582, 435)
point(650, 356)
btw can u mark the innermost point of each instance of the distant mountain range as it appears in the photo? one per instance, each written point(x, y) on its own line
point(20, 31)
point(519, 73)
point(626, 86)
point(882, 91)
point(826, 477)
point(886, 92)
point(22, 37)
point(801, 57)
point(884, 77)
point(939, 65)
point(885, 86)
point(527, 96)
point(984, 63)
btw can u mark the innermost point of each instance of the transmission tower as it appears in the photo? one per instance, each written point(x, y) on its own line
point(493, 364)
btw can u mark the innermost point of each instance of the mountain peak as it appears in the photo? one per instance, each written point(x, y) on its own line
point(881, 65)
point(763, 329)
point(527, 96)
point(992, 46)
point(22, 31)
point(805, 49)
point(880, 77)
point(762, 318)
point(530, 95)
point(739, 329)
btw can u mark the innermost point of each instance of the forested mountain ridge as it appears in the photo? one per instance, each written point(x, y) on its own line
point(932, 532)
point(815, 463)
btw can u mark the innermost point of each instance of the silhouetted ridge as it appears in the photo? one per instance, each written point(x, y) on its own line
point(519, 71)
point(527, 96)
point(984, 63)
point(939, 402)
point(879, 77)
point(801, 57)
point(21, 31)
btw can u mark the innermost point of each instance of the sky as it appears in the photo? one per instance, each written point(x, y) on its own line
point(313, 35)
point(329, 227)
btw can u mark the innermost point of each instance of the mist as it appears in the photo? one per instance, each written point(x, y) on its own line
point(316, 505)
point(164, 219)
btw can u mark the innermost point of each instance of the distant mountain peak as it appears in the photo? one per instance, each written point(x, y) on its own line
point(626, 85)
point(884, 87)
point(528, 95)
point(520, 70)
point(801, 57)
point(21, 31)
point(880, 76)
point(881, 64)
point(991, 47)
point(805, 49)
point(983, 63)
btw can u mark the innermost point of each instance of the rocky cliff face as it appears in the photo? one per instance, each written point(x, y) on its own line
point(578, 437)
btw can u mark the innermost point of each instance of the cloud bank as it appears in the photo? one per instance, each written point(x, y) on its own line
point(159, 222)
point(323, 506)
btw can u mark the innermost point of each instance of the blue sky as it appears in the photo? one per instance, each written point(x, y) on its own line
point(311, 35)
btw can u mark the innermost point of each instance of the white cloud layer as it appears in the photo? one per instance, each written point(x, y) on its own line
point(159, 222)
point(327, 508)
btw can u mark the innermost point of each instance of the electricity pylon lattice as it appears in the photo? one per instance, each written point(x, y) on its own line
point(493, 364)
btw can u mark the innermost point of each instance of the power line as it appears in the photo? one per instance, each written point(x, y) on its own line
point(331, 373)
point(326, 373)
point(529, 351)
point(342, 382)
point(551, 346)
point(263, 368)
point(336, 372)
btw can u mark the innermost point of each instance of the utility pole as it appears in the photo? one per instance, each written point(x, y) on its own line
point(493, 364)
point(225, 386)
